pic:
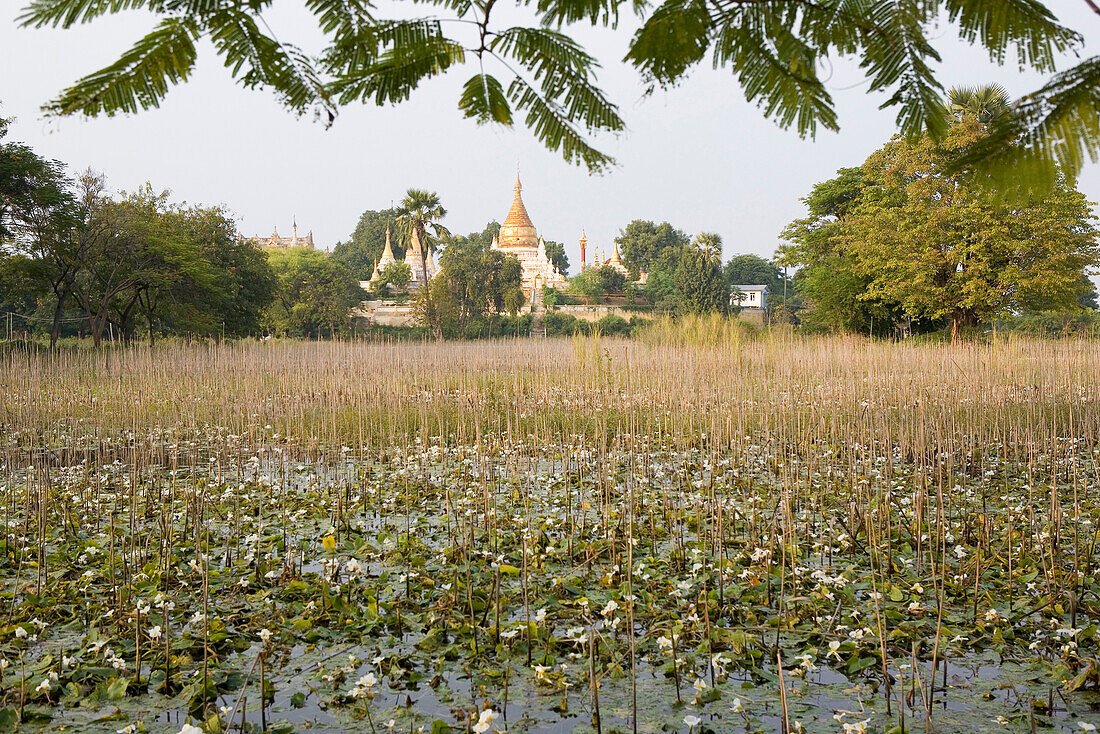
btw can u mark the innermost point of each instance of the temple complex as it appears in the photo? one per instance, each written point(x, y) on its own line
point(274, 241)
point(386, 259)
point(519, 238)
point(412, 259)
point(615, 262)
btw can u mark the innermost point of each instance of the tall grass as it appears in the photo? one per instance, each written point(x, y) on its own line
point(840, 392)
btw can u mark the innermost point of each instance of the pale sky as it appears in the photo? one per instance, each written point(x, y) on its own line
point(697, 156)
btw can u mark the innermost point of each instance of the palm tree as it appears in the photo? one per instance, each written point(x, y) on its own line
point(419, 211)
point(987, 103)
point(710, 243)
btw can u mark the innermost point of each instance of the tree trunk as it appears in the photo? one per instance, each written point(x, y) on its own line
point(959, 318)
point(55, 330)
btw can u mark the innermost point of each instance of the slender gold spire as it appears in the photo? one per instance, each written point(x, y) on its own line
point(387, 254)
point(517, 215)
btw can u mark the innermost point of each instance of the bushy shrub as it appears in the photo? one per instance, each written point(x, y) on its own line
point(563, 324)
point(613, 325)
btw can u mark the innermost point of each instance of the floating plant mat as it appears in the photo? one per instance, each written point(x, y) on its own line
point(559, 587)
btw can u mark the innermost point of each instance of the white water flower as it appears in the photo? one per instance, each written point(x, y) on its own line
point(485, 721)
point(692, 721)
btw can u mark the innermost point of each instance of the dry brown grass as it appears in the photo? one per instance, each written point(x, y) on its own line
point(842, 392)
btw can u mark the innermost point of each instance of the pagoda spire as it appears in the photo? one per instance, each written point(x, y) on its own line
point(388, 252)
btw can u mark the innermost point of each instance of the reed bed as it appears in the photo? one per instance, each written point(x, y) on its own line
point(703, 533)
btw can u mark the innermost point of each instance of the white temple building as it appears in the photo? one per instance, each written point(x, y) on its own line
point(412, 259)
point(519, 238)
point(275, 242)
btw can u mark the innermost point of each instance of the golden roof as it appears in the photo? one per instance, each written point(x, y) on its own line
point(517, 215)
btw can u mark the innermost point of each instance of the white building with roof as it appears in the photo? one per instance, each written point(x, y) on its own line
point(751, 298)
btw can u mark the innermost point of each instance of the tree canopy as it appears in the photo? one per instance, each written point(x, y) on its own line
point(476, 284)
point(906, 237)
point(701, 286)
point(537, 73)
point(754, 270)
point(315, 293)
point(646, 247)
point(484, 237)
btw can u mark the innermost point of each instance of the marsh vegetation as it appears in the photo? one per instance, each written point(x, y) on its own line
point(691, 532)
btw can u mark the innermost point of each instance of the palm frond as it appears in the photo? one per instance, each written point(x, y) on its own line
point(553, 127)
point(672, 40)
point(67, 13)
point(897, 56)
point(776, 69)
point(393, 76)
point(259, 61)
point(140, 79)
point(341, 17)
point(565, 73)
point(483, 99)
point(562, 12)
point(1026, 24)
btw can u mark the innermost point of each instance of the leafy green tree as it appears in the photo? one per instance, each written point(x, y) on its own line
point(315, 293)
point(40, 218)
point(365, 246)
point(776, 52)
point(613, 325)
point(660, 290)
point(1086, 292)
point(231, 290)
point(419, 213)
point(556, 252)
point(754, 270)
point(701, 286)
point(648, 247)
point(828, 280)
point(396, 274)
point(29, 185)
point(920, 242)
point(484, 237)
point(130, 258)
point(22, 287)
point(611, 280)
point(588, 285)
point(476, 284)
